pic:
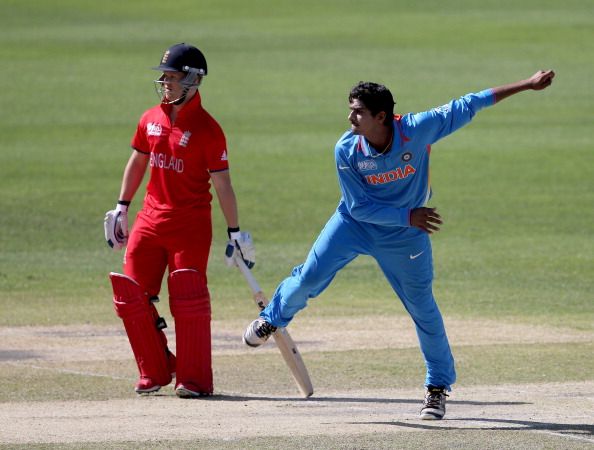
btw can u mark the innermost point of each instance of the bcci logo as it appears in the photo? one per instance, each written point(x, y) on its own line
point(367, 165)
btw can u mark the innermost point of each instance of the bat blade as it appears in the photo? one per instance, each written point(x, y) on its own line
point(282, 338)
point(294, 361)
point(289, 352)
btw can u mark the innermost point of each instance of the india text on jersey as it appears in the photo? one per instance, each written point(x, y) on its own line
point(391, 176)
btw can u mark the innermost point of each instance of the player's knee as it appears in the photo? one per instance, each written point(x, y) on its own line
point(313, 282)
point(128, 296)
point(188, 293)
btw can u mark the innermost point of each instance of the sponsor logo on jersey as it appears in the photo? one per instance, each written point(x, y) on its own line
point(367, 165)
point(185, 139)
point(406, 157)
point(153, 129)
point(224, 156)
point(391, 176)
point(167, 162)
point(443, 109)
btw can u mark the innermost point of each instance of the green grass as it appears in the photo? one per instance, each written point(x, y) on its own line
point(351, 370)
point(516, 187)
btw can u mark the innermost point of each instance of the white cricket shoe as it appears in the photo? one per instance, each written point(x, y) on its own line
point(258, 332)
point(189, 390)
point(434, 405)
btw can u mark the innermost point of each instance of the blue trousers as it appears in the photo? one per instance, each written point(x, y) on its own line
point(406, 263)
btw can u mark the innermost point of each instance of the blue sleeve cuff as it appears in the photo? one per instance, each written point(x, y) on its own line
point(487, 96)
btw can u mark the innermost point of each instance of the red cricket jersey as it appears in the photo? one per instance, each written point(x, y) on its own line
point(182, 155)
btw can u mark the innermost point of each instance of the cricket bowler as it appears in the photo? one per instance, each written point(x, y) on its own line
point(382, 164)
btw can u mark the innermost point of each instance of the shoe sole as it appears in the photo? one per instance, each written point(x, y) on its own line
point(431, 416)
point(249, 344)
point(183, 392)
point(147, 391)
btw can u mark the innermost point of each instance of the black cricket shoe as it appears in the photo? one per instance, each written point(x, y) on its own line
point(434, 404)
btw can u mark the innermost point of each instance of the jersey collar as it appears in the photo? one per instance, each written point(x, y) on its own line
point(192, 106)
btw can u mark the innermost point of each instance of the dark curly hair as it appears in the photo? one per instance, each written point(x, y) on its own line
point(375, 97)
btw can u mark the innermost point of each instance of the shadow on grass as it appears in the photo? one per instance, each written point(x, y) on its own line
point(244, 398)
point(583, 430)
point(18, 355)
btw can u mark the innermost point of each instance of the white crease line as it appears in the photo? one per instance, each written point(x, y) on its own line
point(569, 436)
point(73, 372)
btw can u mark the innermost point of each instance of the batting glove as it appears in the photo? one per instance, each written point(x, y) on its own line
point(240, 242)
point(115, 226)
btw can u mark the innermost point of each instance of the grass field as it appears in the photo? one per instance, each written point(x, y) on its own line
point(516, 187)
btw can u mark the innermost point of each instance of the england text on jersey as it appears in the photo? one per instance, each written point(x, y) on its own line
point(167, 162)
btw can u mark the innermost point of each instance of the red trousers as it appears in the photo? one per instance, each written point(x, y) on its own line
point(161, 239)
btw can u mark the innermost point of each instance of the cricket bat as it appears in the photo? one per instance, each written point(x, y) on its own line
point(281, 336)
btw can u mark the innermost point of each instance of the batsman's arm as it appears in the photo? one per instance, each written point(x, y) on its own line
point(226, 196)
point(133, 174)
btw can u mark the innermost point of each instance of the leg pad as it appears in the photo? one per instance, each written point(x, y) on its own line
point(189, 301)
point(132, 305)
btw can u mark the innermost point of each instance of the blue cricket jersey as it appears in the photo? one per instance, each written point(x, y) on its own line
point(382, 189)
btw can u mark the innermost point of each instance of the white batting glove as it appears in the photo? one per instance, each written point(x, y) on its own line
point(240, 242)
point(116, 226)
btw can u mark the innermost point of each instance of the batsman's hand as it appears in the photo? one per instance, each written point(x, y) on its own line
point(426, 219)
point(240, 242)
point(115, 225)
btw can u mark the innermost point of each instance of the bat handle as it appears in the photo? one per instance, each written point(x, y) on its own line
point(247, 273)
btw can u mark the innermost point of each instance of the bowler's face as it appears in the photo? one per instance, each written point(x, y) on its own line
point(361, 119)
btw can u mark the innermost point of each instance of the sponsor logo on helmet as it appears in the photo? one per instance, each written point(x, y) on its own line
point(367, 165)
point(406, 157)
point(185, 139)
point(153, 129)
point(391, 176)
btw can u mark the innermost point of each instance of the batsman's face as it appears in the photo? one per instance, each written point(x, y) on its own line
point(361, 119)
point(172, 87)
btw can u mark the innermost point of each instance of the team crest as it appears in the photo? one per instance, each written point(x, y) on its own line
point(367, 165)
point(406, 157)
point(185, 139)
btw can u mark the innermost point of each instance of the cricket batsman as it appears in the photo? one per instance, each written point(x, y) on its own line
point(186, 150)
point(382, 164)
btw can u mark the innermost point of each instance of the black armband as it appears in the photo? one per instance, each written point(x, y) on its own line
point(124, 202)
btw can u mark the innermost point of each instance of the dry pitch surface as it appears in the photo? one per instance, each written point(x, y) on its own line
point(563, 410)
